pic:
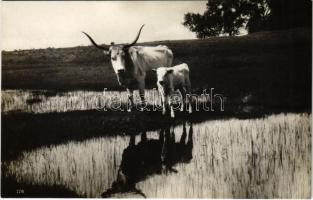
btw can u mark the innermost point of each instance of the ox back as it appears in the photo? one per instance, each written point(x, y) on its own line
point(148, 58)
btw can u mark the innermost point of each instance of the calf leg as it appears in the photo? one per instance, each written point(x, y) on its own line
point(188, 104)
point(163, 98)
point(130, 102)
point(188, 99)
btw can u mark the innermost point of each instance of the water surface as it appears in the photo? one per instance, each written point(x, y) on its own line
point(259, 158)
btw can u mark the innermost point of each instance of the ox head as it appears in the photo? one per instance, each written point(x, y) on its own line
point(118, 54)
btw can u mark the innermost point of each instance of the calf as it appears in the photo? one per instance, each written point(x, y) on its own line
point(171, 79)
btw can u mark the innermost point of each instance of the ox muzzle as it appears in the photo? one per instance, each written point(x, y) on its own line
point(125, 79)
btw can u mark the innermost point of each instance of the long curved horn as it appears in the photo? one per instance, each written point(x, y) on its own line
point(94, 43)
point(134, 42)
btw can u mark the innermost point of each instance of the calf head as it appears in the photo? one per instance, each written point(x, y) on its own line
point(163, 75)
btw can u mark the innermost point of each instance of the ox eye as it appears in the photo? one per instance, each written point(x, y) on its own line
point(113, 58)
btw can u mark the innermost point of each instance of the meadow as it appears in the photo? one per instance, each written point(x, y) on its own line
point(274, 67)
point(267, 157)
point(59, 134)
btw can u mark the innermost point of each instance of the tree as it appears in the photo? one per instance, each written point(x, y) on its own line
point(290, 13)
point(258, 14)
point(222, 17)
point(229, 16)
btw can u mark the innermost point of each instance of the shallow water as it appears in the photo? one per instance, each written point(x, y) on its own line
point(258, 158)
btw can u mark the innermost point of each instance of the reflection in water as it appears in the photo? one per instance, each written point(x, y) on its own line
point(151, 156)
point(255, 158)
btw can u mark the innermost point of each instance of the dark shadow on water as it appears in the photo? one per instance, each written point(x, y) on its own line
point(151, 157)
point(36, 96)
point(27, 131)
point(33, 101)
point(47, 93)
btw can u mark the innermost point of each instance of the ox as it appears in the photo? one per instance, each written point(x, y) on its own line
point(130, 63)
point(174, 78)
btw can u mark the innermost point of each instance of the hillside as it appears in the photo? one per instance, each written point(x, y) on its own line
point(275, 67)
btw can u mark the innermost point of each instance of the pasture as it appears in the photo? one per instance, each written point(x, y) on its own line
point(61, 136)
point(274, 67)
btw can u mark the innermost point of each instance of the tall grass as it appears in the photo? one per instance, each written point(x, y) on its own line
point(256, 158)
point(19, 100)
point(262, 158)
point(36, 101)
point(86, 167)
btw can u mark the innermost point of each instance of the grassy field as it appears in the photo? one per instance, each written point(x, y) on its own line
point(54, 139)
point(274, 67)
point(267, 157)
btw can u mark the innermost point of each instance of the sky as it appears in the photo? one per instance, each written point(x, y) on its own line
point(42, 24)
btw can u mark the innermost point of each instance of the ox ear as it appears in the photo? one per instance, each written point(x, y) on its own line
point(154, 70)
point(169, 71)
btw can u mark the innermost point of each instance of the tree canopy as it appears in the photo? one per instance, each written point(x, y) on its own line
point(229, 16)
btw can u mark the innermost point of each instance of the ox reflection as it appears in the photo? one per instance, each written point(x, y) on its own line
point(149, 157)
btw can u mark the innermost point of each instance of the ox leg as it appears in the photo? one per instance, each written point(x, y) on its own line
point(165, 101)
point(183, 102)
point(142, 94)
point(171, 106)
point(130, 102)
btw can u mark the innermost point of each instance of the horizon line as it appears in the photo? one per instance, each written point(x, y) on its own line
point(144, 42)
